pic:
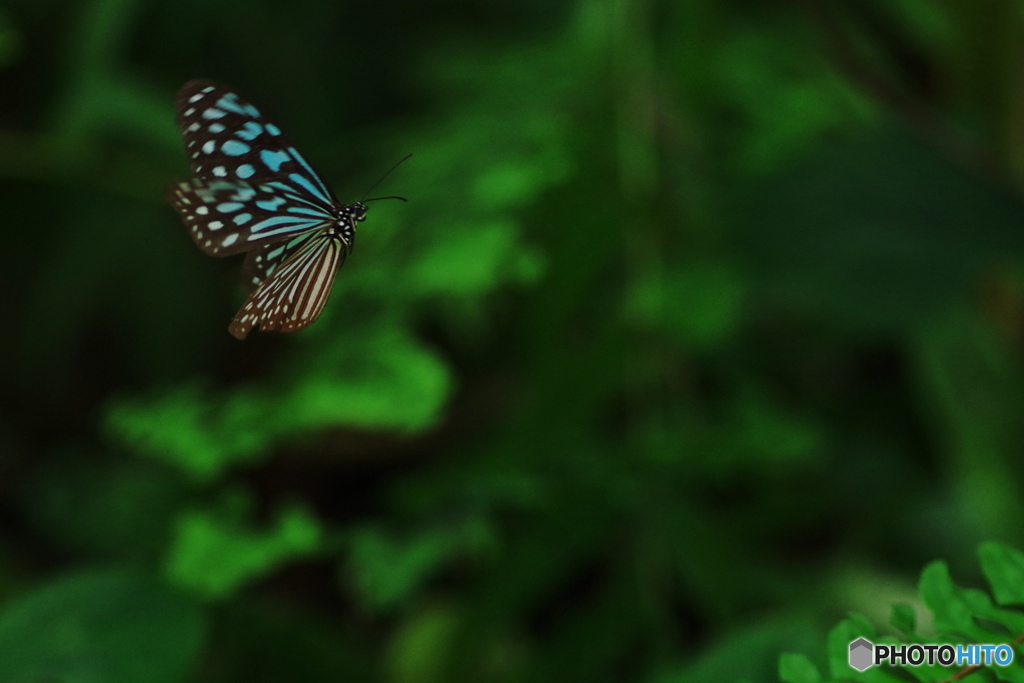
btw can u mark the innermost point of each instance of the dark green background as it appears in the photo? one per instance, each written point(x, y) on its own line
point(702, 327)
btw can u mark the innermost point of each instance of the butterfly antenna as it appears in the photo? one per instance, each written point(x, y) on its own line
point(379, 198)
point(381, 179)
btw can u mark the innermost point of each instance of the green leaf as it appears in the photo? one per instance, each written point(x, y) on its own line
point(487, 256)
point(387, 569)
point(1004, 568)
point(953, 608)
point(962, 611)
point(385, 380)
point(214, 557)
point(700, 304)
point(508, 184)
point(903, 618)
point(388, 381)
point(182, 427)
point(796, 668)
point(785, 116)
point(114, 626)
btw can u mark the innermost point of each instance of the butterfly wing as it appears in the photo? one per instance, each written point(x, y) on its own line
point(227, 138)
point(253, 192)
point(228, 217)
point(293, 296)
point(263, 262)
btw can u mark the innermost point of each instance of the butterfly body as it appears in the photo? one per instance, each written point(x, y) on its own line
point(254, 193)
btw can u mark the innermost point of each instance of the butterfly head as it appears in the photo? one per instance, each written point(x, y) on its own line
point(356, 213)
point(350, 215)
point(346, 219)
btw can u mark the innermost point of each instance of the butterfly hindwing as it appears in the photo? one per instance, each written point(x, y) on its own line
point(261, 263)
point(228, 217)
point(295, 294)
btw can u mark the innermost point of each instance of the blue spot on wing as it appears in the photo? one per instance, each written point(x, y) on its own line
point(234, 148)
point(271, 204)
point(273, 158)
point(230, 103)
point(250, 131)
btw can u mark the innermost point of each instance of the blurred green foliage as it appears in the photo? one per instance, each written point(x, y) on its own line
point(702, 329)
point(100, 625)
point(954, 615)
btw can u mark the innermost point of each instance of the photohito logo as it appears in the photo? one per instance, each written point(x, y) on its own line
point(865, 654)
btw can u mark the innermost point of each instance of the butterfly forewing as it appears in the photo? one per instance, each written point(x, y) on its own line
point(294, 296)
point(227, 138)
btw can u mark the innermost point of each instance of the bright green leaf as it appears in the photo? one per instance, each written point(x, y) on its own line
point(184, 427)
point(1004, 569)
point(215, 557)
point(943, 598)
point(394, 383)
point(387, 381)
point(473, 261)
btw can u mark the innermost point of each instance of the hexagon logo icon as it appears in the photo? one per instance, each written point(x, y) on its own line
point(860, 654)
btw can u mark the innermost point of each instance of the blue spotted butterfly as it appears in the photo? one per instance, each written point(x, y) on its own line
point(253, 192)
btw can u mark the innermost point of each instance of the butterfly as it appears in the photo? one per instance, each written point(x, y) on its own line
point(253, 192)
